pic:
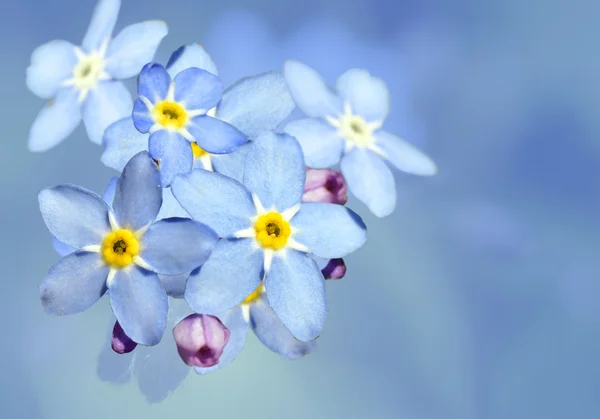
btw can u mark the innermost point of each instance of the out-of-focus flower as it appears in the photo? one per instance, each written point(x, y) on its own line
point(325, 185)
point(121, 343)
point(200, 340)
point(335, 269)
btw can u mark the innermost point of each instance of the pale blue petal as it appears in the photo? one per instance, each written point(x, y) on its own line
point(121, 142)
point(102, 24)
point(370, 180)
point(404, 155)
point(174, 285)
point(368, 96)
point(140, 304)
point(197, 89)
point(171, 207)
point(232, 164)
point(153, 82)
point(329, 230)
point(138, 196)
point(273, 334)
point(109, 192)
point(215, 136)
point(142, 117)
point(61, 248)
point(173, 153)
point(107, 103)
point(310, 92)
point(232, 272)
point(133, 48)
point(74, 284)
point(257, 104)
point(51, 64)
point(275, 171)
point(56, 121)
point(192, 55)
point(176, 245)
point(221, 203)
point(75, 216)
point(321, 143)
point(296, 291)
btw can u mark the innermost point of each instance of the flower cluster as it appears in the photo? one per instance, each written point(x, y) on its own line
point(220, 200)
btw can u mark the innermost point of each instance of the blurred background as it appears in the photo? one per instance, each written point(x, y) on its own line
point(478, 298)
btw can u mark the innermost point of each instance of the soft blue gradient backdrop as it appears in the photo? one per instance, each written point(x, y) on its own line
point(478, 298)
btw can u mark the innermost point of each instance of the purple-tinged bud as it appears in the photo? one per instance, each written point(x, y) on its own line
point(200, 340)
point(335, 269)
point(121, 343)
point(325, 185)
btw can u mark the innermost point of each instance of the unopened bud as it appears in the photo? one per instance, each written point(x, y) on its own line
point(200, 340)
point(121, 343)
point(335, 269)
point(325, 185)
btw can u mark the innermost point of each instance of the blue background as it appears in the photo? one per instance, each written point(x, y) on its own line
point(478, 298)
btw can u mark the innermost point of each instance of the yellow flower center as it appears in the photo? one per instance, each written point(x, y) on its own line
point(170, 114)
point(255, 295)
point(88, 71)
point(198, 151)
point(356, 130)
point(272, 230)
point(119, 248)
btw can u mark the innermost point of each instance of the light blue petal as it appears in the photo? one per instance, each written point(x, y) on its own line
point(232, 164)
point(197, 89)
point(176, 245)
point(234, 320)
point(296, 291)
point(121, 142)
point(275, 171)
point(153, 83)
point(404, 155)
point(51, 64)
point(171, 207)
point(368, 96)
point(370, 180)
point(61, 248)
point(273, 334)
point(134, 47)
point(321, 143)
point(174, 285)
point(140, 304)
point(215, 136)
point(109, 192)
point(75, 216)
point(107, 103)
point(56, 121)
point(232, 272)
point(191, 55)
point(310, 92)
point(329, 230)
point(173, 153)
point(257, 104)
point(74, 284)
point(221, 203)
point(102, 24)
point(142, 117)
point(138, 196)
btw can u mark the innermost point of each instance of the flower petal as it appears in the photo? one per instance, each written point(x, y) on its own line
point(321, 143)
point(275, 170)
point(173, 153)
point(56, 121)
point(404, 155)
point(153, 83)
point(174, 285)
point(107, 103)
point(369, 178)
point(368, 96)
point(134, 47)
point(232, 164)
point(140, 304)
point(121, 142)
point(74, 284)
point(102, 24)
point(197, 89)
point(171, 207)
point(61, 248)
point(191, 55)
point(256, 104)
point(75, 216)
point(329, 230)
point(109, 192)
point(296, 291)
point(310, 92)
point(51, 64)
point(138, 196)
point(215, 136)
point(221, 203)
point(232, 272)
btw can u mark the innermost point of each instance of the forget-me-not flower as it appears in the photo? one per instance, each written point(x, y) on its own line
point(266, 232)
point(120, 249)
point(346, 127)
point(82, 81)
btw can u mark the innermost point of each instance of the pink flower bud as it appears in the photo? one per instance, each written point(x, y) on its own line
point(200, 340)
point(335, 269)
point(121, 343)
point(325, 185)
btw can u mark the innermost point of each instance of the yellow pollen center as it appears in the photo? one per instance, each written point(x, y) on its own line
point(198, 151)
point(255, 295)
point(272, 231)
point(170, 114)
point(356, 130)
point(88, 71)
point(119, 248)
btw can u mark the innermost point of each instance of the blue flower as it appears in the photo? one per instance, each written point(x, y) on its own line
point(346, 127)
point(266, 232)
point(82, 81)
point(120, 249)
